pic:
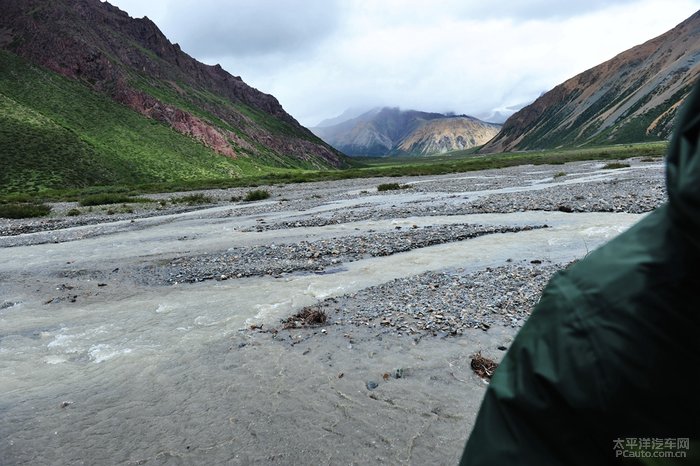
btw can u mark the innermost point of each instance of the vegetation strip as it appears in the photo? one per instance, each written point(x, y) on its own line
point(457, 162)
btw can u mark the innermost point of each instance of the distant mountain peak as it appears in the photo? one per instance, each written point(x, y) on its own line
point(393, 131)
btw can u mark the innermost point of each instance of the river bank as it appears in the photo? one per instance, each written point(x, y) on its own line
point(156, 336)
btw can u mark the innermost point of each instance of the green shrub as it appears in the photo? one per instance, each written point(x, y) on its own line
point(559, 174)
point(108, 198)
point(19, 198)
point(193, 199)
point(256, 195)
point(18, 210)
point(391, 186)
point(614, 165)
point(73, 212)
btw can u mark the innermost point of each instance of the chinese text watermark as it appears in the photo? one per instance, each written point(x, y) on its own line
point(640, 447)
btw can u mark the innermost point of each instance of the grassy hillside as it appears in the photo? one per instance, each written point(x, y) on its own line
point(204, 105)
point(56, 133)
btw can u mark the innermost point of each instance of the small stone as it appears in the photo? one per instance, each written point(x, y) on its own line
point(371, 385)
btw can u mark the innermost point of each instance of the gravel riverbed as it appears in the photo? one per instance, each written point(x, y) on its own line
point(317, 257)
point(396, 305)
point(165, 333)
point(574, 187)
point(445, 303)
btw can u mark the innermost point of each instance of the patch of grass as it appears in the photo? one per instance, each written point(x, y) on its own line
point(256, 195)
point(193, 199)
point(109, 198)
point(559, 174)
point(615, 165)
point(24, 210)
point(391, 186)
point(18, 198)
point(73, 212)
point(123, 209)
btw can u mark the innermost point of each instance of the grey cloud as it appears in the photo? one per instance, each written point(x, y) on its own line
point(537, 9)
point(244, 28)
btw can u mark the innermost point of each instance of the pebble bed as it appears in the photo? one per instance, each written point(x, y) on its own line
point(305, 256)
point(631, 196)
point(445, 303)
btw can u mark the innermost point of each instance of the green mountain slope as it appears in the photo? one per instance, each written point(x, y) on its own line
point(90, 96)
point(631, 98)
point(55, 133)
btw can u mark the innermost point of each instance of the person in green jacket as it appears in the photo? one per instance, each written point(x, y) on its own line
point(605, 371)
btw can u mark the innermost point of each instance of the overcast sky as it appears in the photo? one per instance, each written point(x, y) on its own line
point(321, 57)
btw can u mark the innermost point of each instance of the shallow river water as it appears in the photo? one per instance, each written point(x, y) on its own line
point(169, 375)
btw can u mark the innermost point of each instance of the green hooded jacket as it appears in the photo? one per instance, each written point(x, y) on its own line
point(611, 352)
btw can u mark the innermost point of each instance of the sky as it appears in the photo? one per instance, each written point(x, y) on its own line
point(323, 57)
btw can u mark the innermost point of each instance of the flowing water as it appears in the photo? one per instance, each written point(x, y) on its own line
point(168, 375)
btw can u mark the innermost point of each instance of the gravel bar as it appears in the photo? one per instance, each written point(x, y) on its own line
point(305, 256)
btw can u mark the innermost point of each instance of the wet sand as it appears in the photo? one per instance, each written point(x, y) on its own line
point(107, 356)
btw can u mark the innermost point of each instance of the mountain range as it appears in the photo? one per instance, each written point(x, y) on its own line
point(631, 98)
point(89, 95)
point(392, 131)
